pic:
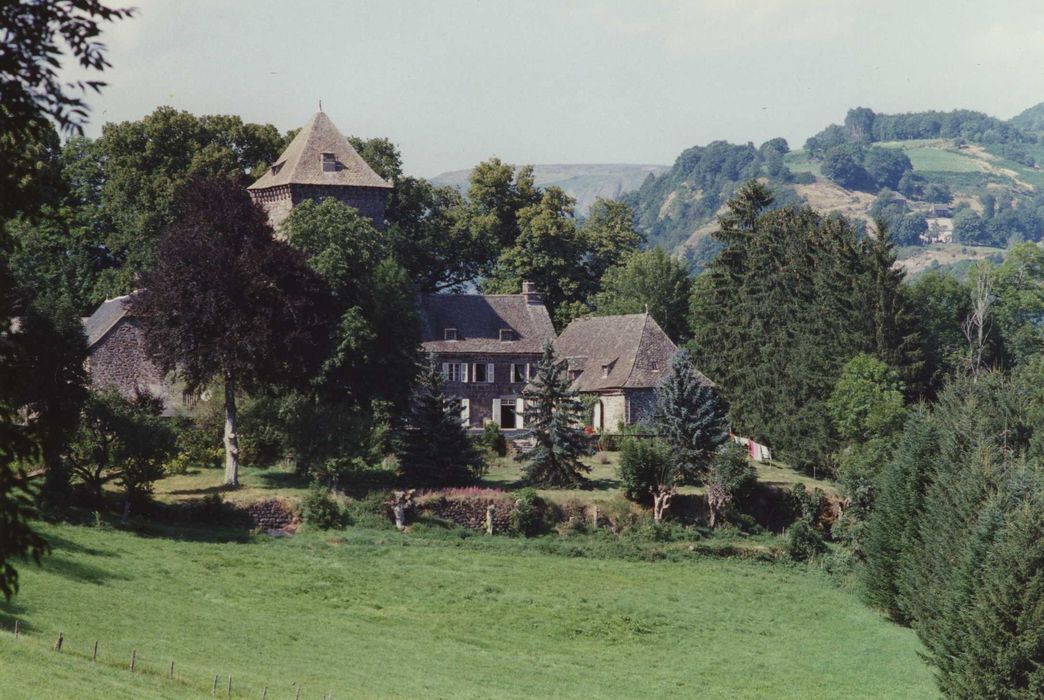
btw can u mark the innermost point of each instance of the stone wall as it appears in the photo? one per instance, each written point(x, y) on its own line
point(480, 395)
point(118, 361)
point(641, 403)
point(276, 202)
point(272, 514)
point(468, 510)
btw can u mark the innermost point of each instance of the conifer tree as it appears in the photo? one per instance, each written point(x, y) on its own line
point(434, 449)
point(554, 416)
point(690, 417)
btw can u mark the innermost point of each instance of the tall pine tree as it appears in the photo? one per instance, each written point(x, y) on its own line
point(690, 417)
point(554, 416)
point(433, 448)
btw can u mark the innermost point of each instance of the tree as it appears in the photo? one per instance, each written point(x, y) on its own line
point(690, 417)
point(228, 302)
point(434, 448)
point(941, 302)
point(554, 415)
point(610, 235)
point(19, 444)
point(731, 479)
point(121, 441)
point(36, 34)
point(648, 471)
point(886, 166)
point(649, 281)
point(1017, 285)
point(496, 194)
point(867, 401)
point(843, 166)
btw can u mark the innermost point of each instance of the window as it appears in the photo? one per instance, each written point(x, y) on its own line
point(449, 334)
point(329, 163)
point(574, 374)
point(482, 372)
point(506, 334)
point(519, 373)
point(605, 371)
point(454, 371)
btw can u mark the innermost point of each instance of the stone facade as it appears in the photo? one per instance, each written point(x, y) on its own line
point(118, 361)
point(499, 400)
point(278, 201)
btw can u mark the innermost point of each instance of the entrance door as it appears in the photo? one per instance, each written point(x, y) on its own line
point(507, 415)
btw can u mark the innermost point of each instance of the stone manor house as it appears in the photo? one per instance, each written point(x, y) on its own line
point(486, 345)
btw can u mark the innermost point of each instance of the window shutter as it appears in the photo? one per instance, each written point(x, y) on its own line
point(520, 412)
point(496, 411)
point(445, 370)
point(489, 372)
point(465, 412)
point(464, 372)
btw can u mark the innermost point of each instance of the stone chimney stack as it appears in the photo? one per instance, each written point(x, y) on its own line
point(529, 290)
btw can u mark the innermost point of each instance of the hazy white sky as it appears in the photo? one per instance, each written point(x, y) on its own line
point(456, 81)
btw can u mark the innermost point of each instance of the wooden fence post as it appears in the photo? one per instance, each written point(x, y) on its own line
point(17, 630)
point(298, 696)
point(213, 691)
point(94, 654)
point(134, 659)
point(264, 693)
point(58, 643)
point(230, 685)
point(172, 669)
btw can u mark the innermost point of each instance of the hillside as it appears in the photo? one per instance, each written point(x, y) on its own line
point(948, 179)
point(368, 613)
point(585, 183)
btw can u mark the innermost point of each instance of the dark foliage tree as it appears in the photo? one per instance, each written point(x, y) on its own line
point(554, 417)
point(19, 443)
point(649, 473)
point(433, 448)
point(229, 303)
point(843, 165)
point(791, 297)
point(731, 480)
point(649, 281)
point(690, 417)
point(886, 166)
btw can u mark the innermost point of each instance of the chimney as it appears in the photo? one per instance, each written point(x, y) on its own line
point(529, 290)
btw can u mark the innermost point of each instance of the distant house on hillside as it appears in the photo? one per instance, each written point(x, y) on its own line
point(116, 357)
point(320, 163)
point(621, 360)
point(487, 346)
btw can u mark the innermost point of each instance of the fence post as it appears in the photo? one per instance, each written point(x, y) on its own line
point(17, 630)
point(230, 685)
point(172, 669)
point(264, 693)
point(213, 691)
point(94, 654)
point(298, 696)
point(134, 659)
point(58, 643)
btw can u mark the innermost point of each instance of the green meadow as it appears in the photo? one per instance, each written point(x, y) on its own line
point(369, 613)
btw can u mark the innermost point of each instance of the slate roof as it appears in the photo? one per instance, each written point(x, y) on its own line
point(479, 319)
point(633, 348)
point(301, 162)
point(105, 317)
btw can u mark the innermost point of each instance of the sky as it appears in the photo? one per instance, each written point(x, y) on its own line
point(454, 82)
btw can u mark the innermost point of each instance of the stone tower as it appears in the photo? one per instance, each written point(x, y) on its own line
point(320, 163)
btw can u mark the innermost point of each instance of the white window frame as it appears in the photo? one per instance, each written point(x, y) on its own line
point(520, 413)
point(454, 372)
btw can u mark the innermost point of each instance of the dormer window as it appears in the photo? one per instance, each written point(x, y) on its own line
point(276, 168)
point(449, 334)
point(506, 334)
point(329, 163)
point(605, 371)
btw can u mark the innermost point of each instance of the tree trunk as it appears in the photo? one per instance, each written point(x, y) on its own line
point(231, 438)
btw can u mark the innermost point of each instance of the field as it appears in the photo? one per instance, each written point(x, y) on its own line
point(368, 613)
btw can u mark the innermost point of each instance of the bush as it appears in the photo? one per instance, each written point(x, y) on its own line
point(492, 440)
point(645, 465)
point(197, 448)
point(806, 506)
point(803, 542)
point(320, 510)
point(528, 517)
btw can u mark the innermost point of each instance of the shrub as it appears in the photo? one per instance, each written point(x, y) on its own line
point(805, 505)
point(197, 448)
point(320, 510)
point(803, 542)
point(528, 517)
point(492, 440)
point(645, 465)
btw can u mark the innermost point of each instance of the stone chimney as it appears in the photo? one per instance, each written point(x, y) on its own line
point(529, 290)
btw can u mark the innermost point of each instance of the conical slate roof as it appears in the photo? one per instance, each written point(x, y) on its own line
point(302, 161)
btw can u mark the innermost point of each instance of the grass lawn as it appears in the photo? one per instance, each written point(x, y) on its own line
point(370, 613)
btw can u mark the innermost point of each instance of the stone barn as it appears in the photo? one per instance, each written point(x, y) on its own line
point(619, 359)
point(320, 163)
point(116, 357)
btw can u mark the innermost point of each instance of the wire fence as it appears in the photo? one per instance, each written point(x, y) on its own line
point(96, 653)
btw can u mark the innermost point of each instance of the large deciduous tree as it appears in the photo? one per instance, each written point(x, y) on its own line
point(228, 302)
point(553, 414)
point(649, 281)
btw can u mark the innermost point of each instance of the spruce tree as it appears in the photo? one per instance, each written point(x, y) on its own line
point(434, 449)
point(554, 415)
point(891, 531)
point(690, 417)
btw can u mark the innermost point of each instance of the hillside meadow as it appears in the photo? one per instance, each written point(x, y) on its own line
point(369, 613)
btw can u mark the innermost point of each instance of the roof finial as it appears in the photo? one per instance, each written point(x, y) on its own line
point(320, 105)
point(647, 309)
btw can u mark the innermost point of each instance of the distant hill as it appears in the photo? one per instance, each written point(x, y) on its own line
point(960, 171)
point(584, 182)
